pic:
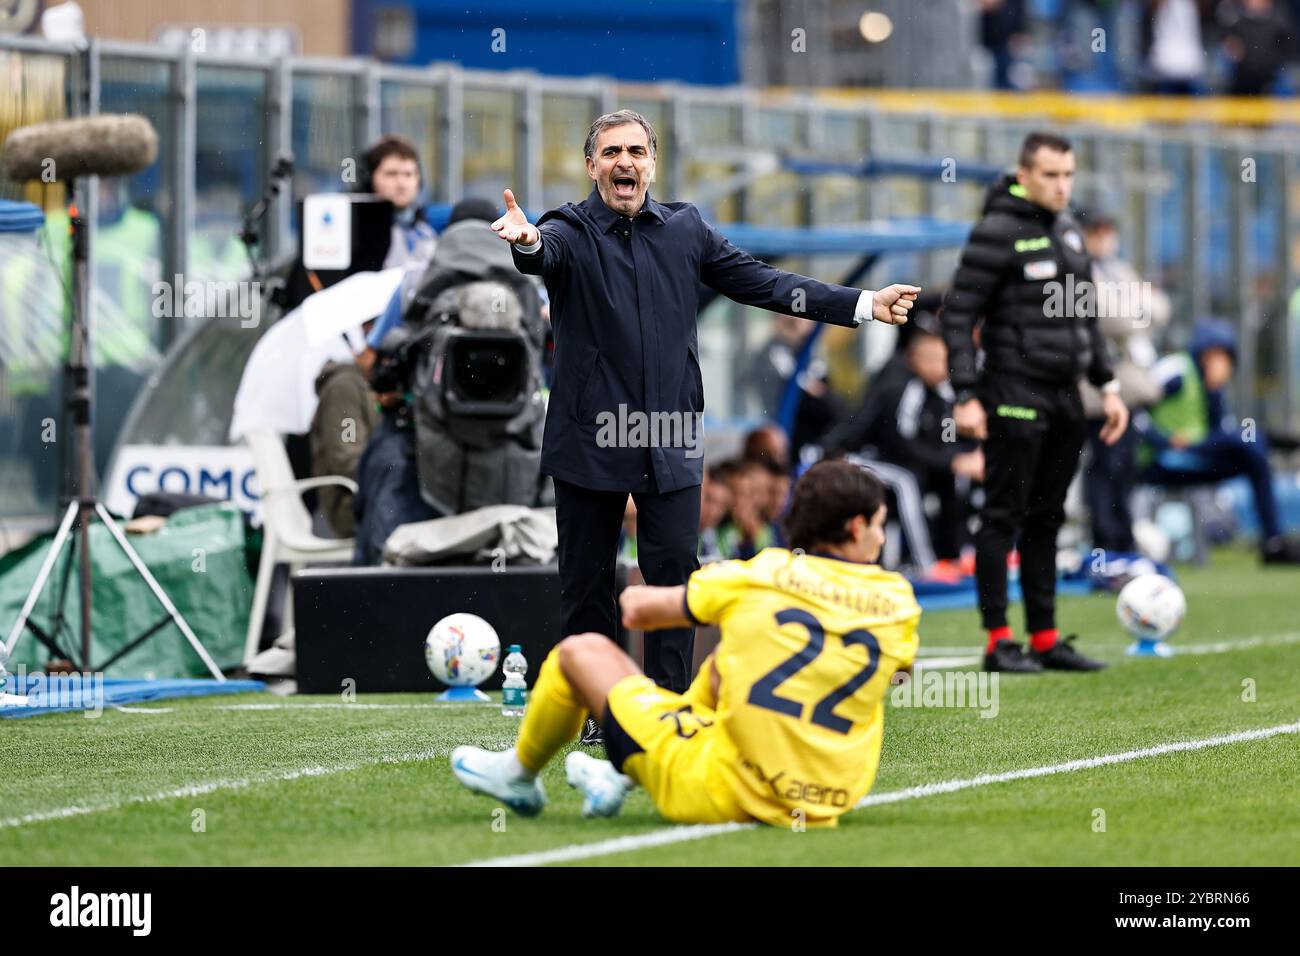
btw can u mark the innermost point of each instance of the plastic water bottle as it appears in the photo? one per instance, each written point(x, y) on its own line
point(513, 691)
point(4, 673)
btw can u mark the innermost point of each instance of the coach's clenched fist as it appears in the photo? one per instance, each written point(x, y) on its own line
point(892, 303)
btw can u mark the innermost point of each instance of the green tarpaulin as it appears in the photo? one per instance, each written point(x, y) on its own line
point(198, 557)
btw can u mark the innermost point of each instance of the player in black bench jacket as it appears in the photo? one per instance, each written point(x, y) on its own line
point(1025, 271)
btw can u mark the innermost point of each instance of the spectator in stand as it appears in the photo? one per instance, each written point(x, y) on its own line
point(1190, 439)
point(776, 492)
point(1129, 312)
point(769, 441)
point(1257, 39)
point(715, 503)
point(767, 445)
point(1002, 31)
point(746, 531)
point(1174, 53)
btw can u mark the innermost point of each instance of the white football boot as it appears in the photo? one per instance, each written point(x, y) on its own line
point(488, 772)
point(602, 787)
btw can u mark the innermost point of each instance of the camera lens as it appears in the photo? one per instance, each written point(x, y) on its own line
point(487, 372)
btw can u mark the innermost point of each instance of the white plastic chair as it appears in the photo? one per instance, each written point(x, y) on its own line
point(286, 529)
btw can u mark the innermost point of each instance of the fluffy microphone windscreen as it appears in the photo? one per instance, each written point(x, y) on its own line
point(107, 145)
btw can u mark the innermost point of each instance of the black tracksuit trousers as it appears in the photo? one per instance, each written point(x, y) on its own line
point(1035, 434)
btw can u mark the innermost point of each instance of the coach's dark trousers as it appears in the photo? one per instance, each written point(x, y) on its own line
point(1035, 435)
point(667, 537)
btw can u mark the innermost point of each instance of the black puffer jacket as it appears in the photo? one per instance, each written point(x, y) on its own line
point(1024, 270)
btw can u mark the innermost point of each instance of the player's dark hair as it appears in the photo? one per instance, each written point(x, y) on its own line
point(1036, 141)
point(825, 500)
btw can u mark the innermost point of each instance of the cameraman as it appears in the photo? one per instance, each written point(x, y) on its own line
point(388, 486)
point(340, 430)
point(392, 172)
point(391, 492)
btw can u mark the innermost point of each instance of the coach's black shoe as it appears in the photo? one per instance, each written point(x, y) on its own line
point(1282, 549)
point(592, 735)
point(1007, 656)
point(1062, 656)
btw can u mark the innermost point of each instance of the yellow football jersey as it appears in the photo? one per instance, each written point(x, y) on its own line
point(809, 645)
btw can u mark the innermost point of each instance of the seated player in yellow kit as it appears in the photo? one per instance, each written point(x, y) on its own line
point(784, 720)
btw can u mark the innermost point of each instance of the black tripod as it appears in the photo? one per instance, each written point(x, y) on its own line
point(85, 506)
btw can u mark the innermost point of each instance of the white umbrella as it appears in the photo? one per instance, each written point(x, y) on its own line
point(344, 306)
point(278, 387)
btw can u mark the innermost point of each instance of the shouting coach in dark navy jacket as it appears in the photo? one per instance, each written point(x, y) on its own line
point(623, 273)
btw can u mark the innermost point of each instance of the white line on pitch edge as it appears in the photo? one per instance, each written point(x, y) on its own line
point(930, 663)
point(681, 834)
point(211, 786)
point(339, 705)
point(1223, 647)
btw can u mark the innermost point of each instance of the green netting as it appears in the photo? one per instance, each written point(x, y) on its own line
point(199, 558)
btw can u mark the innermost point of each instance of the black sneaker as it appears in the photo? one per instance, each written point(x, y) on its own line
point(1008, 657)
point(592, 735)
point(1282, 549)
point(1062, 656)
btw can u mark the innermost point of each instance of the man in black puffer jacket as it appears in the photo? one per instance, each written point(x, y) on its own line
point(1026, 275)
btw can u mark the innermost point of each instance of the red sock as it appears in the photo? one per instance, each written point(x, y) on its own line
point(1043, 640)
point(996, 634)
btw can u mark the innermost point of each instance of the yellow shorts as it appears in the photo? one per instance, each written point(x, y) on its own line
point(672, 748)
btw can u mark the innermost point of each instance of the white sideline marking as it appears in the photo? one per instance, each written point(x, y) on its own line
point(1086, 763)
point(584, 851)
point(928, 663)
point(327, 705)
point(1223, 647)
point(211, 786)
point(143, 710)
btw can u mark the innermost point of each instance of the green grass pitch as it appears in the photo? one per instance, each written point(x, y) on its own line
point(257, 779)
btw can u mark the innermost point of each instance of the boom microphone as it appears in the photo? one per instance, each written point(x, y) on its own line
point(111, 144)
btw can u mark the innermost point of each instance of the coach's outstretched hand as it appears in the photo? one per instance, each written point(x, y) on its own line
point(514, 225)
point(892, 303)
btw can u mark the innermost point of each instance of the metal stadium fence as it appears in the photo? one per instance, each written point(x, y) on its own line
point(1207, 210)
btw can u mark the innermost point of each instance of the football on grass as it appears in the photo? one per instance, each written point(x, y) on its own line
point(462, 650)
point(1151, 607)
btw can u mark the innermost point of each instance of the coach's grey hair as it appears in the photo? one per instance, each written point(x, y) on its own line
point(619, 118)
